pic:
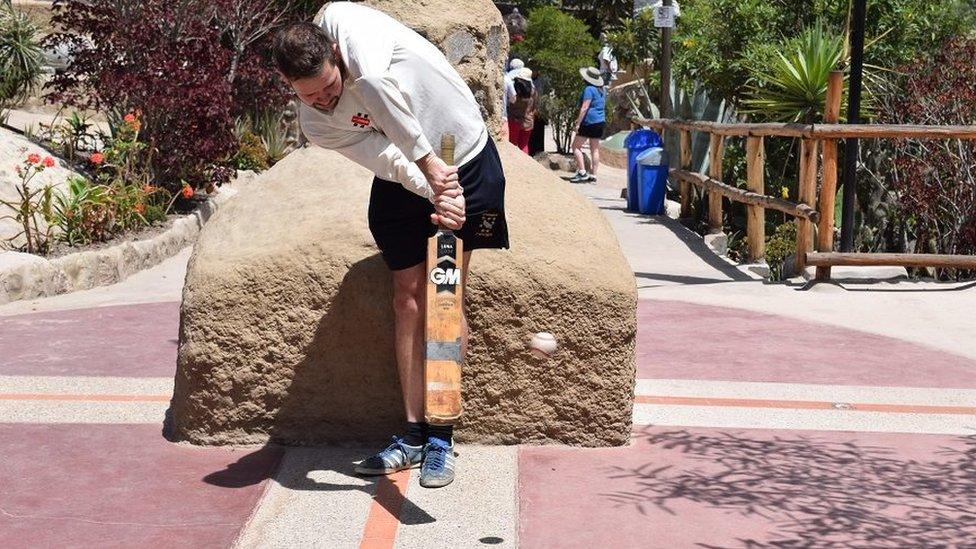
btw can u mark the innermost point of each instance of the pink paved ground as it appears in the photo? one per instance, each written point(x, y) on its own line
point(676, 488)
point(128, 340)
point(678, 340)
point(123, 486)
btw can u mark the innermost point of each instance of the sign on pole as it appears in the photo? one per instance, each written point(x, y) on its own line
point(664, 17)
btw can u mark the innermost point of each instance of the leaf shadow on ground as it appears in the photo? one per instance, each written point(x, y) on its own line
point(814, 492)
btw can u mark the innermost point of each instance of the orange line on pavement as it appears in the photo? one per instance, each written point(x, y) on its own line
point(384, 515)
point(90, 398)
point(805, 405)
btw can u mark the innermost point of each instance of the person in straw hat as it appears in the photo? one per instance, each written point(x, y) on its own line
point(589, 124)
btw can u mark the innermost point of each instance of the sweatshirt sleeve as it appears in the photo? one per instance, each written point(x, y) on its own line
point(373, 151)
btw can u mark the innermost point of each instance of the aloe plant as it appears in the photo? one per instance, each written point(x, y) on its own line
point(267, 125)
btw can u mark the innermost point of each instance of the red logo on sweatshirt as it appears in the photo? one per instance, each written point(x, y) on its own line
point(360, 120)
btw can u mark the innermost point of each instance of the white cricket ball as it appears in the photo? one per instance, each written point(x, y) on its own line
point(542, 345)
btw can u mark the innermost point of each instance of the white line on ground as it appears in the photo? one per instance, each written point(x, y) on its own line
point(925, 396)
point(821, 420)
point(86, 385)
point(53, 411)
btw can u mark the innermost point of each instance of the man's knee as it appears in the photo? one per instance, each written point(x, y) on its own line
point(408, 293)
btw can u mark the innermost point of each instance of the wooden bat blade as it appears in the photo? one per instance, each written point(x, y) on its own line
point(442, 366)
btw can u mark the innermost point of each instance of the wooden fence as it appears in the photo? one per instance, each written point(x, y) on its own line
point(815, 139)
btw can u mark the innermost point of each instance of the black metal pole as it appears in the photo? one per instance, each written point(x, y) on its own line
point(666, 68)
point(853, 117)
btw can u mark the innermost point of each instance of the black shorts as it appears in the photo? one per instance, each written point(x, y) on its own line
point(400, 219)
point(591, 130)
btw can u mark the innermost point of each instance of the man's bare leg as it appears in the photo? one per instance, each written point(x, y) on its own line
point(409, 286)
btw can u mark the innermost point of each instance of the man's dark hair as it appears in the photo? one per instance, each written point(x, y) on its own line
point(300, 49)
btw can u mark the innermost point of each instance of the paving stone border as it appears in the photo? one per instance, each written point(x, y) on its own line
point(27, 276)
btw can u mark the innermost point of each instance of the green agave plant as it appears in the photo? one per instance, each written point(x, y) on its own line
point(794, 87)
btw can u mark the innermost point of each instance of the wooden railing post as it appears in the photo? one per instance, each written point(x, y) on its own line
point(828, 191)
point(716, 148)
point(808, 196)
point(685, 165)
point(755, 182)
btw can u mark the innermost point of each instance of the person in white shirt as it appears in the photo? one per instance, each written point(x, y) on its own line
point(608, 61)
point(380, 94)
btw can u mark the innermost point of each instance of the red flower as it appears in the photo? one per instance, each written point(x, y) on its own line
point(48, 162)
point(187, 191)
point(96, 158)
point(33, 158)
point(141, 208)
point(129, 118)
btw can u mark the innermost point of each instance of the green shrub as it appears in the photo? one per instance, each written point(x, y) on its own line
point(779, 246)
point(251, 155)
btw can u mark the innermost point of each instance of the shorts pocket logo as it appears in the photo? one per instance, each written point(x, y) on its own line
point(487, 226)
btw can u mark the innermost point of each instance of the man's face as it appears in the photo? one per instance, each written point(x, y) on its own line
point(322, 91)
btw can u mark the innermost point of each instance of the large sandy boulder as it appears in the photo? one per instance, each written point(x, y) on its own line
point(472, 36)
point(287, 327)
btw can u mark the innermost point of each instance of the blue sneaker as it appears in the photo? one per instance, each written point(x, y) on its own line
point(396, 457)
point(438, 467)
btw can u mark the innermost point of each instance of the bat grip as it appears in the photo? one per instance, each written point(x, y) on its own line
point(447, 155)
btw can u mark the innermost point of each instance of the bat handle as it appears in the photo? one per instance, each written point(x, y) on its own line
point(447, 155)
point(447, 148)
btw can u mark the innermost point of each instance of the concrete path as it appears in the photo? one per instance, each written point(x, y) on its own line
point(765, 416)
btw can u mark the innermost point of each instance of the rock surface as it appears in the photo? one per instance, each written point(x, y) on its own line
point(472, 36)
point(286, 327)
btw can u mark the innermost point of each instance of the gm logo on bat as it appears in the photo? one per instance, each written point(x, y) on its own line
point(450, 277)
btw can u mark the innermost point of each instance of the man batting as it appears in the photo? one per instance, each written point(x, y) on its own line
point(380, 94)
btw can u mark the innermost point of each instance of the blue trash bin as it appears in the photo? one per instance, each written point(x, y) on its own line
point(637, 142)
point(652, 180)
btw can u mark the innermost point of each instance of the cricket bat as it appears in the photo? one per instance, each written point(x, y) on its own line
point(442, 327)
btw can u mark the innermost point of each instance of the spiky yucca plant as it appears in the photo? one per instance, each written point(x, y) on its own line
point(20, 55)
point(794, 87)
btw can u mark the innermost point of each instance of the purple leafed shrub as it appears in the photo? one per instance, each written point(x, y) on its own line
point(935, 179)
point(170, 60)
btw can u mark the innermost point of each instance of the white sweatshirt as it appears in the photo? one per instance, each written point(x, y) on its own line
point(400, 95)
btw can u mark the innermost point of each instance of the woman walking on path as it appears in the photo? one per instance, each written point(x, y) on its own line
point(589, 124)
point(522, 110)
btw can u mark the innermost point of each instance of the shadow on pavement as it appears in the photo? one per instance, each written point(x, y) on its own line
point(681, 279)
point(317, 469)
point(815, 492)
